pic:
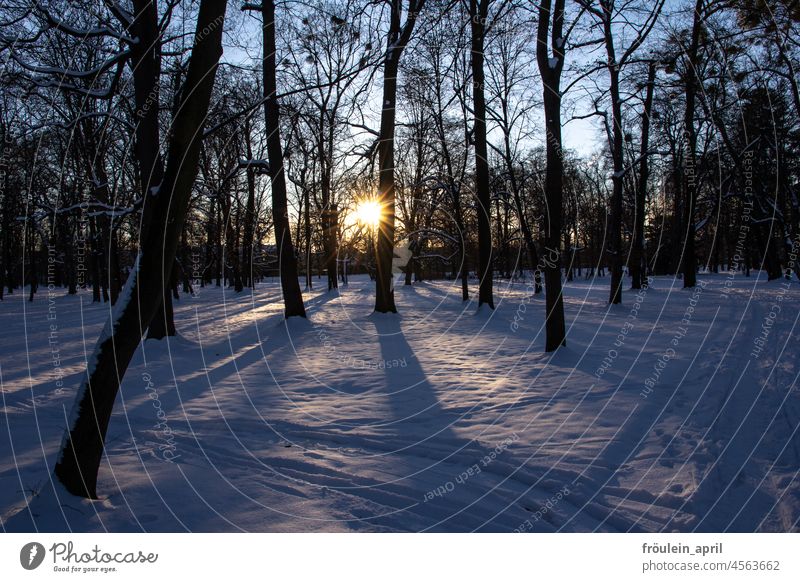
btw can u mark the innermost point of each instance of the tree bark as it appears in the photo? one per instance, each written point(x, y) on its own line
point(146, 68)
point(638, 269)
point(478, 11)
point(555, 328)
point(307, 227)
point(292, 295)
point(163, 322)
point(618, 158)
point(80, 456)
point(690, 157)
point(250, 213)
point(384, 243)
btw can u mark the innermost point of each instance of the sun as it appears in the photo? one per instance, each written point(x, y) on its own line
point(369, 212)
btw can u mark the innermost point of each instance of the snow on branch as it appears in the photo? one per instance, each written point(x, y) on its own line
point(258, 166)
point(72, 73)
point(84, 32)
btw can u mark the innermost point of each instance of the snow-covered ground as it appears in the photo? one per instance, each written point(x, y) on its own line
point(675, 411)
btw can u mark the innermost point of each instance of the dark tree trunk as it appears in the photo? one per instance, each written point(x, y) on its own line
point(219, 259)
point(330, 227)
point(211, 242)
point(677, 214)
point(527, 235)
point(554, 175)
point(618, 157)
point(384, 245)
point(638, 274)
point(187, 266)
point(163, 322)
point(292, 295)
point(95, 260)
point(234, 277)
point(115, 277)
point(33, 277)
point(146, 68)
point(478, 11)
point(249, 214)
point(690, 157)
point(69, 258)
point(307, 221)
point(79, 460)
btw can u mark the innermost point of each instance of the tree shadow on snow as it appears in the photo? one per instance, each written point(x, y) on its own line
point(440, 471)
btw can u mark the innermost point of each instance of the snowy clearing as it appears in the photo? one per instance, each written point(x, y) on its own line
point(675, 411)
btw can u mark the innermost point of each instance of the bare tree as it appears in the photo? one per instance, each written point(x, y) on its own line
point(398, 36)
point(80, 456)
point(551, 38)
point(479, 15)
point(292, 295)
point(613, 19)
point(638, 264)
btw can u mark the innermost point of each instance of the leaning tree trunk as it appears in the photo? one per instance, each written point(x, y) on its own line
point(555, 328)
point(287, 262)
point(80, 456)
point(478, 12)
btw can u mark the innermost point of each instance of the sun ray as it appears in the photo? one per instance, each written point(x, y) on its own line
point(369, 212)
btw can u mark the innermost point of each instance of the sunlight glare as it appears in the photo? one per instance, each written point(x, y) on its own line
point(368, 212)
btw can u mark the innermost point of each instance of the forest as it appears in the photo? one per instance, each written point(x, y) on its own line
point(587, 173)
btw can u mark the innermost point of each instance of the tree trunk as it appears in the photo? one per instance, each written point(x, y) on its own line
point(677, 213)
point(115, 276)
point(146, 68)
point(163, 322)
point(80, 456)
point(478, 10)
point(527, 235)
point(95, 260)
point(33, 277)
point(307, 221)
point(330, 226)
point(249, 214)
point(638, 274)
point(690, 157)
point(618, 157)
point(292, 295)
point(384, 245)
point(555, 328)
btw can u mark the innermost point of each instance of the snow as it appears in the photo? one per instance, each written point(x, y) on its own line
point(262, 165)
point(123, 300)
point(436, 419)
